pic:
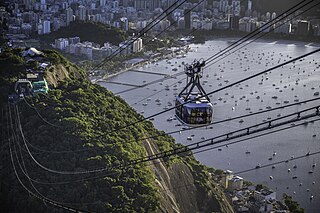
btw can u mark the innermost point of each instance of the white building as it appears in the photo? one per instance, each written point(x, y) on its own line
point(61, 43)
point(65, 5)
point(236, 7)
point(40, 29)
point(225, 178)
point(46, 27)
point(223, 5)
point(82, 13)
point(69, 15)
point(249, 6)
point(103, 3)
point(235, 183)
point(115, 5)
point(181, 23)
point(124, 24)
point(137, 45)
point(264, 195)
point(43, 5)
point(125, 48)
point(265, 28)
point(247, 24)
point(141, 24)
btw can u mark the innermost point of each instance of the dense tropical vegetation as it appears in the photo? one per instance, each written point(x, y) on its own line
point(72, 129)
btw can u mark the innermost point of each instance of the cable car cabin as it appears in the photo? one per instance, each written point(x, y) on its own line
point(40, 87)
point(194, 107)
point(196, 112)
point(23, 87)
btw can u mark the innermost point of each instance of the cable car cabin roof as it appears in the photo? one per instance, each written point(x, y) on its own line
point(39, 83)
point(201, 102)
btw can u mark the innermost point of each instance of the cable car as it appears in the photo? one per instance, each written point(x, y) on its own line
point(40, 87)
point(193, 107)
point(23, 87)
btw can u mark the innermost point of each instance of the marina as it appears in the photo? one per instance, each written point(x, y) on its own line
point(295, 82)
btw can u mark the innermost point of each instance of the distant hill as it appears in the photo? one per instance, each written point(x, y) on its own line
point(87, 31)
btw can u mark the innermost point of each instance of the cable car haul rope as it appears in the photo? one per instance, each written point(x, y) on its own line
point(193, 107)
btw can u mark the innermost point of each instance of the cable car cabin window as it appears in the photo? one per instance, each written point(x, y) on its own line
point(178, 108)
point(201, 115)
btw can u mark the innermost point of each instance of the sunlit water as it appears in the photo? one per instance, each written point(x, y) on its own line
point(298, 81)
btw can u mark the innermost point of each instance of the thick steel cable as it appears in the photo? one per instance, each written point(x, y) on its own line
point(217, 90)
point(44, 199)
point(192, 153)
point(263, 27)
point(145, 30)
point(187, 129)
point(190, 147)
point(221, 53)
point(212, 62)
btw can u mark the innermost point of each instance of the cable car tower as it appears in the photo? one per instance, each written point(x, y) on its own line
point(193, 106)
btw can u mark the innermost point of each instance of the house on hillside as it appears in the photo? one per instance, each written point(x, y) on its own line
point(31, 52)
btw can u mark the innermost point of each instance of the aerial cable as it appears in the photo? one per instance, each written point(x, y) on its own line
point(255, 113)
point(257, 31)
point(187, 149)
point(229, 119)
point(154, 82)
point(30, 154)
point(149, 96)
point(210, 63)
point(143, 31)
point(220, 89)
point(198, 145)
point(40, 116)
point(280, 162)
point(44, 199)
point(170, 76)
point(261, 166)
point(234, 45)
point(24, 170)
point(172, 24)
point(290, 61)
point(15, 138)
point(186, 129)
point(256, 136)
point(189, 101)
point(241, 132)
point(217, 90)
point(25, 173)
point(188, 153)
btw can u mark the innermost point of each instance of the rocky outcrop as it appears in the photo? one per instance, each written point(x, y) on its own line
point(178, 190)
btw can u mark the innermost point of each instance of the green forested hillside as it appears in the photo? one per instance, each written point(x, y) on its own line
point(87, 31)
point(69, 130)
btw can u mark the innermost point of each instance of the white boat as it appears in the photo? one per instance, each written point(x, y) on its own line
point(170, 119)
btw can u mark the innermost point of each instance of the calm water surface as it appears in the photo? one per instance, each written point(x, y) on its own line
point(298, 81)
